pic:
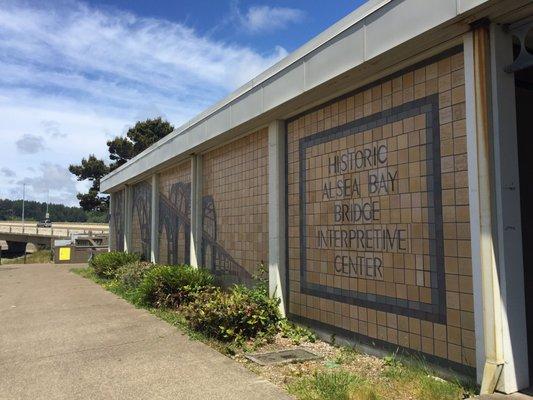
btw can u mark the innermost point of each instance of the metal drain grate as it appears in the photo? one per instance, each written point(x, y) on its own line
point(282, 357)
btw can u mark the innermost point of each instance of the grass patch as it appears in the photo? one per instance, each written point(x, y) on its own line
point(38, 257)
point(341, 377)
point(432, 388)
point(417, 378)
point(336, 385)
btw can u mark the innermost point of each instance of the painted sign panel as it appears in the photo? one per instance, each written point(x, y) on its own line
point(371, 211)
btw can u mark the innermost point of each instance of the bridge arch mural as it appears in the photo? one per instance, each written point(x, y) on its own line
point(117, 220)
point(175, 223)
point(142, 206)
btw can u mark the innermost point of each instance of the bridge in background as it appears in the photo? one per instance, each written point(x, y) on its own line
point(18, 235)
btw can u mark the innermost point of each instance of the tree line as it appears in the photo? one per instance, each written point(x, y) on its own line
point(11, 210)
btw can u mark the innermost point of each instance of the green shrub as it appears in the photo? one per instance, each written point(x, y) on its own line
point(106, 265)
point(132, 274)
point(173, 285)
point(236, 315)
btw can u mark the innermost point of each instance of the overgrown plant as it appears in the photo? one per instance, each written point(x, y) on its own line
point(296, 333)
point(173, 285)
point(235, 315)
point(106, 265)
point(132, 274)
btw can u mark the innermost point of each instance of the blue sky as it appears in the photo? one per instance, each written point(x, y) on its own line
point(75, 74)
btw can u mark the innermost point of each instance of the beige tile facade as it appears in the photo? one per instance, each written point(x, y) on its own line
point(235, 195)
point(175, 214)
point(378, 214)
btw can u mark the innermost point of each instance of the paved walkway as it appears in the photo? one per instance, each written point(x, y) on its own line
point(64, 337)
point(515, 396)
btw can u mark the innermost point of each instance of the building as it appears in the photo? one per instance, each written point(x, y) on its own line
point(380, 171)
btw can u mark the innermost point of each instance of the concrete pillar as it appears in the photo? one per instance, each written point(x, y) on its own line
point(473, 185)
point(490, 290)
point(110, 217)
point(154, 223)
point(128, 217)
point(515, 374)
point(501, 350)
point(277, 240)
point(196, 211)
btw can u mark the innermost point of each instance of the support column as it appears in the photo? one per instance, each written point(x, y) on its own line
point(515, 374)
point(277, 240)
point(473, 201)
point(488, 313)
point(196, 211)
point(128, 216)
point(154, 223)
point(110, 217)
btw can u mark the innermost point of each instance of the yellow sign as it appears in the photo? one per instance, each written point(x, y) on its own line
point(64, 253)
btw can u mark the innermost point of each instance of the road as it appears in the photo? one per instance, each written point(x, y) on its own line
point(62, 225)
point(64, 337)
point(29, 232)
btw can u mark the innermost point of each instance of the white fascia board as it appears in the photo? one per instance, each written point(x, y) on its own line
point(373, 29)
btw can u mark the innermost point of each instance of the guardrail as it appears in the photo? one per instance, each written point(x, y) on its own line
point(50, 232)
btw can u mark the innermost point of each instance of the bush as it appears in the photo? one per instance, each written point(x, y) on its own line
point(237, 315)
point(173, 285)
point(106, 265)
point(132, 274)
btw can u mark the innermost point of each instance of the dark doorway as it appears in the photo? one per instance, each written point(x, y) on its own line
point(524, 116)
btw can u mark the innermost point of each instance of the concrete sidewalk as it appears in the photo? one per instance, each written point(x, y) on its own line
point(64, 337)
point(515, 396)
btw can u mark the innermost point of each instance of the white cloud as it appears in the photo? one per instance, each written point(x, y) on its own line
point(30, 144)
point(51, 128)
point(54, 178)
point(7, 172)
point(267, 19)
point(72, 75)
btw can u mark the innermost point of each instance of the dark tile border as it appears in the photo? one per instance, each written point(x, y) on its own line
point(436, 311)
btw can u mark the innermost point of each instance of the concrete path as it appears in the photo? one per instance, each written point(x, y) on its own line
point(515, 396)
point(64, 337)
